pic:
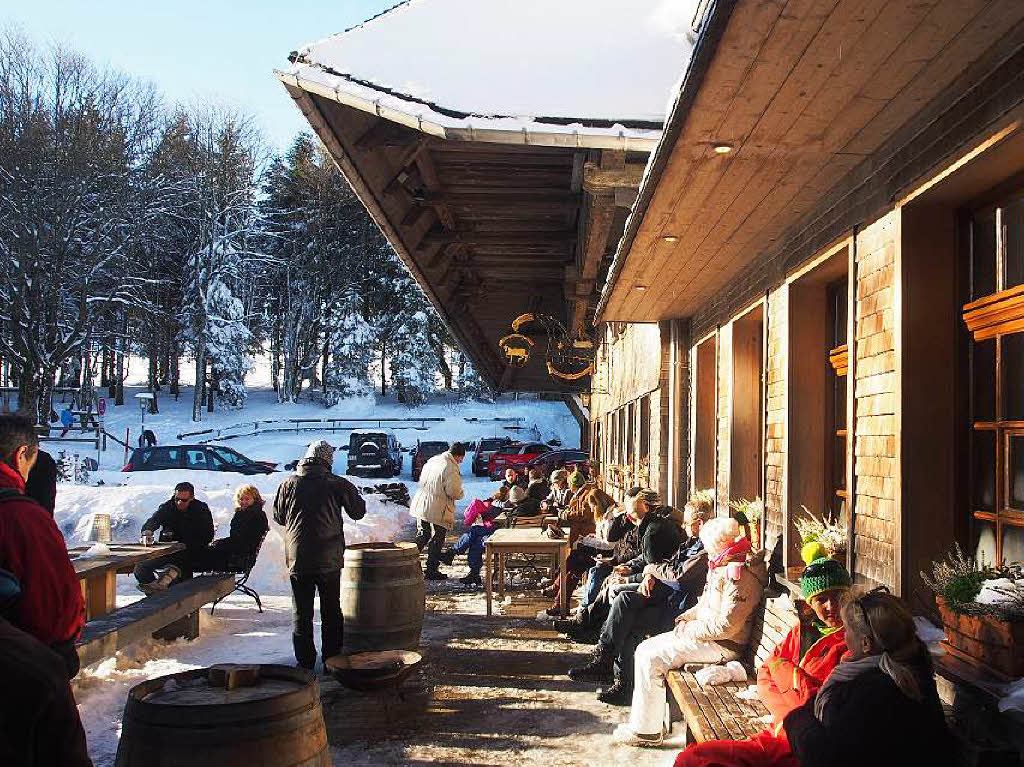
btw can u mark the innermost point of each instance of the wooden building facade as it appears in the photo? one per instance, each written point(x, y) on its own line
point(819, 296)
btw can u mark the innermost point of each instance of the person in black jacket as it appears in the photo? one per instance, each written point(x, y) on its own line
point(667, 587)
point(309, 504)
point(184, 519)
point(879, 706)
point(41, 485)
point(248, 526)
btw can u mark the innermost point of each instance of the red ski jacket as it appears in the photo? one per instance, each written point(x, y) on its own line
point(51, 607)
point(786, 682)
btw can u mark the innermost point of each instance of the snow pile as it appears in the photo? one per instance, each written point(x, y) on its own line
point(596, 66)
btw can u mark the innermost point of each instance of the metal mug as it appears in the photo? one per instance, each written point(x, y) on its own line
point(147, 538)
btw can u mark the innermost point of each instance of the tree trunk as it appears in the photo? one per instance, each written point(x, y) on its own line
point(122, 342)
point(197, 395)
point(210, 392)
point(175, 364)
point(383, 371)
point(446, 369)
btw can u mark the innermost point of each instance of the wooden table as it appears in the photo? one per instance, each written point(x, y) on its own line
point(98, 575)
point(517, 540)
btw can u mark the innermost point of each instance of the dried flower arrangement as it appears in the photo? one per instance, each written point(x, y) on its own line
point(748, 511)
point(830, 533)
point(959, 580)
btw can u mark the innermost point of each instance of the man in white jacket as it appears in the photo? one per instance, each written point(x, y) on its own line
point(434, 504)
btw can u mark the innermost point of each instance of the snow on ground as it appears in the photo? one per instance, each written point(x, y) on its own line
point(237, 632)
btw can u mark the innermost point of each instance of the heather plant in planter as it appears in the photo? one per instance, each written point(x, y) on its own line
point(830, 533)
point(982, 611)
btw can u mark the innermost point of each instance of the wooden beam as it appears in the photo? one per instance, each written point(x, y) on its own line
point(385, 133)
point(484, 193)
point(429, 173)
point(500, 238)
point(598, 179)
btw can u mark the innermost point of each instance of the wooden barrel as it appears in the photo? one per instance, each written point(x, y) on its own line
point(382, 597)
point(184, 719)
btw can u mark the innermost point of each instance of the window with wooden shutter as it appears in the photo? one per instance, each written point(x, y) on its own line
point(995, 319)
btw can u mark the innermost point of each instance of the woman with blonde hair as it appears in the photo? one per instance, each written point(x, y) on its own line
point(715, 630)
point(248, 526)
point(879, 706)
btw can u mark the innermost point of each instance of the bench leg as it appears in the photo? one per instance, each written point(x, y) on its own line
point(183, 628)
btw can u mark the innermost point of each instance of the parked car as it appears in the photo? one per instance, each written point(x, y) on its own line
point(374, 453)
point(515, 455)
point(199, 457)
point(485, 448)
point(423, 453)
point(562, 459)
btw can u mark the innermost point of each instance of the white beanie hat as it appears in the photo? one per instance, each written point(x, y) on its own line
point(516, 494)
point(321, 451)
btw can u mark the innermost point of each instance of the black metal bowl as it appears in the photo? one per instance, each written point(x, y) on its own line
point(373, 670)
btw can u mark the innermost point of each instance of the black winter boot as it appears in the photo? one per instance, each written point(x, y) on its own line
point(598, 669)
point(434, 575)
point(448, 556)
point(618, 694)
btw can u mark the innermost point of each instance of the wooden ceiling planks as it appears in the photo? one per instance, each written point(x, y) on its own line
point(819, 123)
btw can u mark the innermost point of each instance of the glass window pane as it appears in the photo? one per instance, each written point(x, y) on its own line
point(1013, 220)
point(984, 548)
point(983, 379)
point(1013, 544)
point(1016, 466)
point(983, 255)
point(983, 470)
point(1013, 376)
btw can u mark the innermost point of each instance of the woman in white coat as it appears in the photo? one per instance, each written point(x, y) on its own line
point(434, 504)
point(715, 630)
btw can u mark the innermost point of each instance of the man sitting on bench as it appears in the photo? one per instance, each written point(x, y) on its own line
point(667, 589)
point(186, 520)
point(793, 673)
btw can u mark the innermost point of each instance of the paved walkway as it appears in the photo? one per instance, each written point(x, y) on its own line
point(500, 695)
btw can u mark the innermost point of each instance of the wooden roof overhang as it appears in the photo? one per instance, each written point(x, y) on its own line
point(828, 107)
point(490, 227)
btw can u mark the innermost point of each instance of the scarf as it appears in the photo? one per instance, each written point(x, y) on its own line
point(737, 552)
point(846, 671)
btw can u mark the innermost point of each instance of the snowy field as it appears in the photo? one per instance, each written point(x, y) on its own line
point(237, 632)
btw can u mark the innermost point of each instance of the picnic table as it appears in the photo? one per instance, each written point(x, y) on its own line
point(97, 575)
point(516, 540)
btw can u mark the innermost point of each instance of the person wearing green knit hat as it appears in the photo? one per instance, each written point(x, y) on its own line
point(794, 672)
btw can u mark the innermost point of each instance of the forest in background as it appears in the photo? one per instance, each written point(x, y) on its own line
point(130, 227)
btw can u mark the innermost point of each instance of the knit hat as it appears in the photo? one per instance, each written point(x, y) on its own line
point(516, 494)
point(650, 496)
point(576, 479)
point(822, 572)
point(559, 475)
point(321, 451)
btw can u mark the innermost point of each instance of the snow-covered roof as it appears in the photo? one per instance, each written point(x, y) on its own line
point(589, 72)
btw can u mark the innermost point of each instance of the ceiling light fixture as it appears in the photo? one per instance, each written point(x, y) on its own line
point(723, 148)
point(640, 287)
point(670, 238)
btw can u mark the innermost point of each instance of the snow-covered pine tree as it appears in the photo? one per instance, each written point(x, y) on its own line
point(413, 360)
point(227, 342)
point(470, 384)
point(351, 347)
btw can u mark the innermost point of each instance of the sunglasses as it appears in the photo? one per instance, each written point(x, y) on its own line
point(875, 592)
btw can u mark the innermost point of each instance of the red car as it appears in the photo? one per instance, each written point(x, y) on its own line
point(563, 459)
point(516, 455)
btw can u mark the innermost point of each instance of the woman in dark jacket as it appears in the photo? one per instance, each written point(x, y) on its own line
point(879, 706)
point(248, 526)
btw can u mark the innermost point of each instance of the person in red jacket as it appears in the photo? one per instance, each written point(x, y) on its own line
point(791, 675)
point(51, 607)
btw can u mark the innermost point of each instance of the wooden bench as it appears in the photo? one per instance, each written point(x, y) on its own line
point(104, 635)
point(715, 712)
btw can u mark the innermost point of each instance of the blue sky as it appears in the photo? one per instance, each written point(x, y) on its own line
point(218, 50)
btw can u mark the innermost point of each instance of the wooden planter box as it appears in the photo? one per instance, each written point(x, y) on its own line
point(984, 641)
